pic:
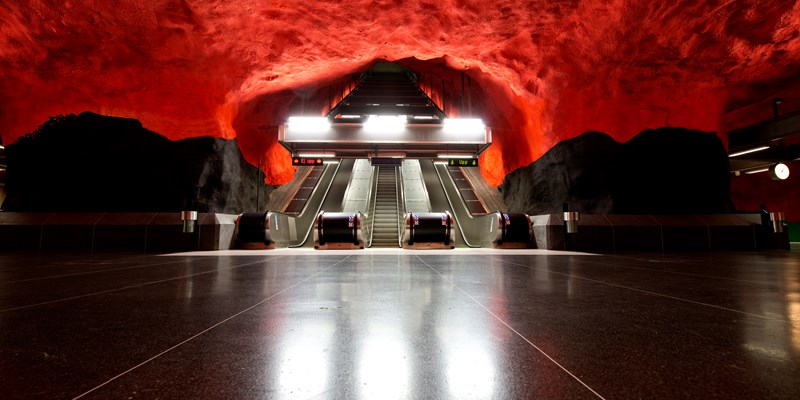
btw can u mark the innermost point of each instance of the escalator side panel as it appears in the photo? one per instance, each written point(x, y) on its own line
point(436, 195)
point(333, 202)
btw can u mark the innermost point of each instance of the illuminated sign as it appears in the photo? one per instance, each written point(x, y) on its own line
point(463, 162)
point(306, 161)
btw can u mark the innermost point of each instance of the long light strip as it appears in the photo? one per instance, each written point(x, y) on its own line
point(455, 155)
point(385, 123)
point(309, 124)
point(463, 125)
point(755, 171)
point(315, 155)
point(748, 151)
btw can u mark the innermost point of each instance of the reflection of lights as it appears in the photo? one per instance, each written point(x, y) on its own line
point(470, 373)
point(308, 124)
point(384, 367)
point(304, 365)
point(793, 309)
point(768, 352)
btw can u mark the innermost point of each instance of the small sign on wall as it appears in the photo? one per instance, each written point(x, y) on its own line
point(463, 162)
point(306, 161)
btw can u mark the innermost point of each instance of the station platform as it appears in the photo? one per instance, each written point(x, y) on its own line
point(397, 324)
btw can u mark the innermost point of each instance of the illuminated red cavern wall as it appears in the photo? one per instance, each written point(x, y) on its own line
point(542, 70)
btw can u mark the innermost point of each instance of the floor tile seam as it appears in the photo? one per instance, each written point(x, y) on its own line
point(653, 293)
point(516, 332)
point(101, 271)
point(678, 273)
point(204, 331)
point(126, 287)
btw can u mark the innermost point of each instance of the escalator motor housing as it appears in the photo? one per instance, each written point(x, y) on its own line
point(514, 231)
point(338, 231)
point(253, 231)
point(429, 231)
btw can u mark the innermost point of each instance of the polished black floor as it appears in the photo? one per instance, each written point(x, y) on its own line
point(410, 325)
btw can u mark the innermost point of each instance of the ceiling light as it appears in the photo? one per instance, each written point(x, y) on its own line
point(308, 124)
point(350, 116)
point(385, 123)
point(755, 171)
point(779, 171)
point(463, 125)
point(423, 117)
point(748, 151)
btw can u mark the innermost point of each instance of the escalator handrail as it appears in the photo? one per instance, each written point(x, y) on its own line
point(373, 195)
point(401, 203)
point(319, 206)
point(452, 207)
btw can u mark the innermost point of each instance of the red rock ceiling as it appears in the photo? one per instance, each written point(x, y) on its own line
point(543, 70)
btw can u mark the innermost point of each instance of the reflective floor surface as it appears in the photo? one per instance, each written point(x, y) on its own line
point(400, 325)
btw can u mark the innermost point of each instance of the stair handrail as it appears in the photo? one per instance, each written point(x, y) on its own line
point(373, 195)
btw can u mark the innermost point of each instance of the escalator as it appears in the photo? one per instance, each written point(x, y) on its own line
point(292, 227)
point(385, 215)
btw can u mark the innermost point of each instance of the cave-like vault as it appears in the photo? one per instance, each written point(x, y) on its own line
point(542, 70)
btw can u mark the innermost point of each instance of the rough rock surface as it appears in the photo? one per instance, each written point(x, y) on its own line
point(543, 70)
point(95, 163)
point(659, 171)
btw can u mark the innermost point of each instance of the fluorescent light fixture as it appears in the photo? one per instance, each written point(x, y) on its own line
point(423, 117)
point(349, 116)
point(455, 155)
point(463, 125)
point(308, 124)
point(748, 151)
point(755, 171)
point(315, 155)
point(385, 123)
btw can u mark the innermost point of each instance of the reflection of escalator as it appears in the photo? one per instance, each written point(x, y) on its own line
point(385, 214)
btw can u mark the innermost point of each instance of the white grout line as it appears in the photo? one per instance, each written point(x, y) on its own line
point(98, 271)
point(206, 330)
point(514, 330)
point(649, 292)
point(126, 287)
